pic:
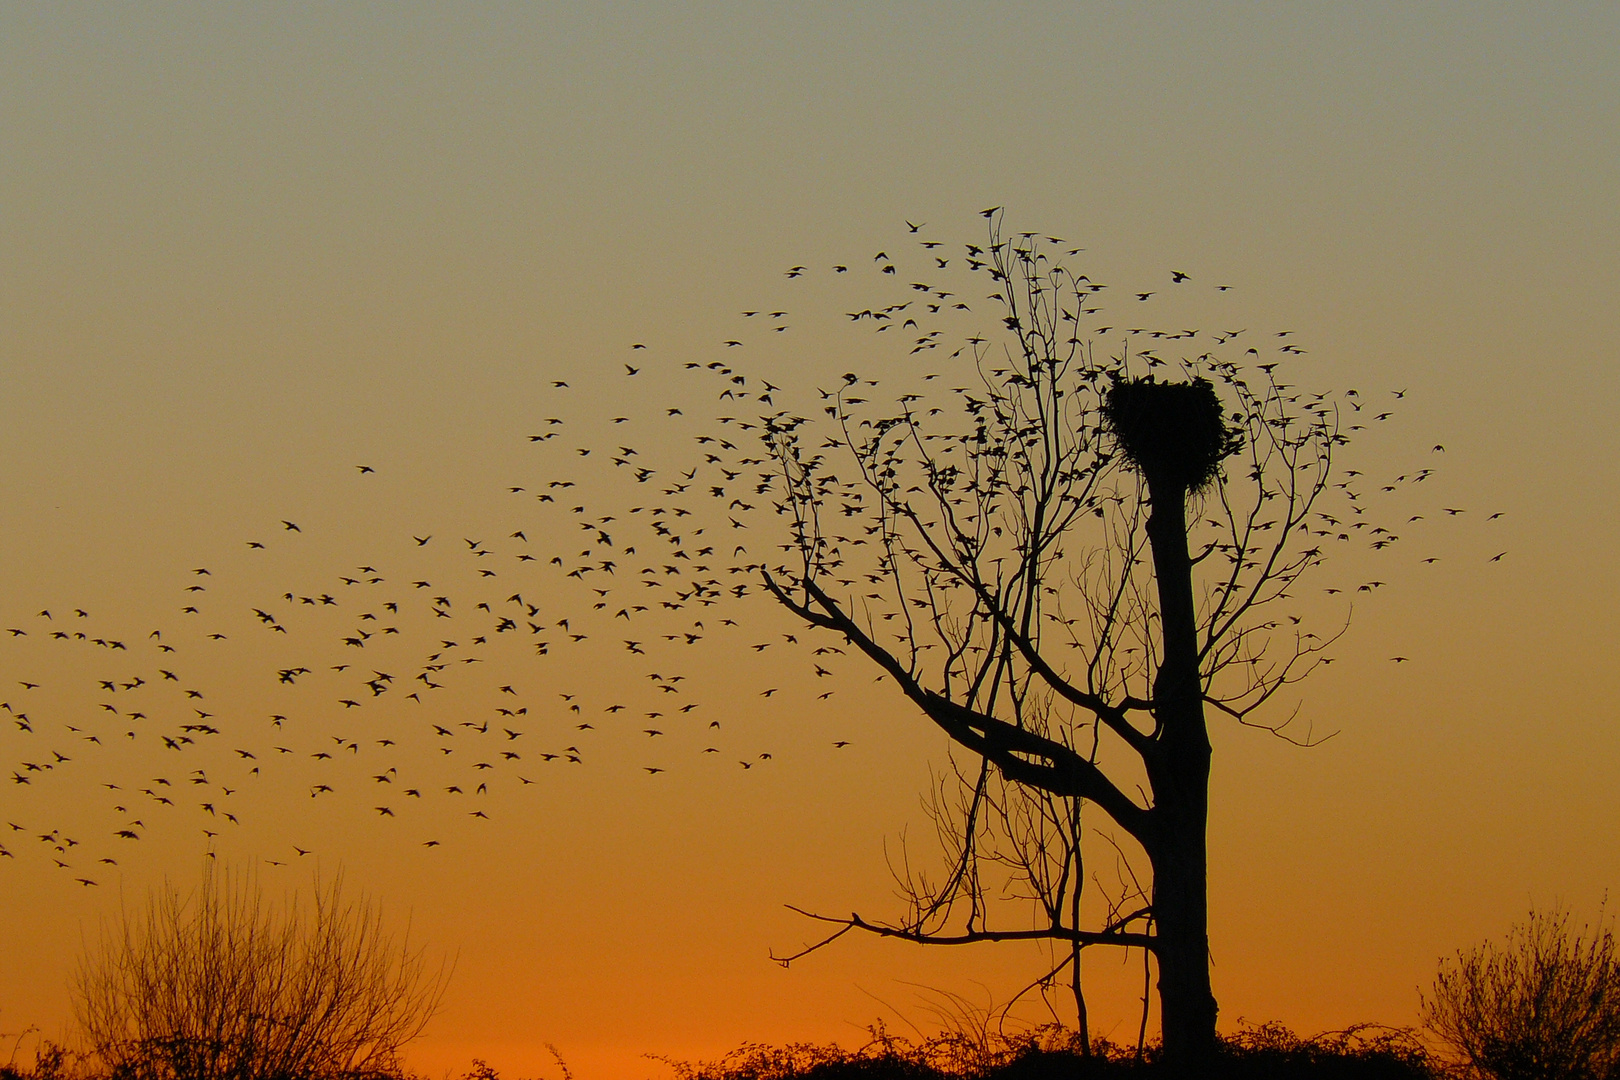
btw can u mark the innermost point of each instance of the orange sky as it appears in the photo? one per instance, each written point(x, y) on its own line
point(246, 251)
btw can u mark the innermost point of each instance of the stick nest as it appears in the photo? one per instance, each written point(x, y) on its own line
point(1174, 433)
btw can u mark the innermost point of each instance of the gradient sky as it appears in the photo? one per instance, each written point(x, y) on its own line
point(247, 248)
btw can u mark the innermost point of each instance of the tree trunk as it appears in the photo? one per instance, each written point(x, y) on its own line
point(1181, 913)
point(1178, 770)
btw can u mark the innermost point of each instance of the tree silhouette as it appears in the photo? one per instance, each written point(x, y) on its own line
point(1038, 571)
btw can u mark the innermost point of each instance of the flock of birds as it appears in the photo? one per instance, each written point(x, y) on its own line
point(421, 684)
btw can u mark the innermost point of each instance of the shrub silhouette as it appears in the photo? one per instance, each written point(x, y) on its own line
point(1544, 1006)
point(1270, 1052)
point(52, 1061)
point(220, 986)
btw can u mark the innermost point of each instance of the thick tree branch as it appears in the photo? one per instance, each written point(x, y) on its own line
point(1055, 767)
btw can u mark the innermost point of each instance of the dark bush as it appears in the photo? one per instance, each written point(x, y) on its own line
point(218, 986)
point(1544, 1006)
point(1271, 1052)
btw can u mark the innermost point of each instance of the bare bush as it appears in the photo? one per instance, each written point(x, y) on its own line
point(1543, 1006)
point(221, 986)
point(1268, 1052)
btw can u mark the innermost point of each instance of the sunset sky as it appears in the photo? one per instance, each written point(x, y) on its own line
point(249, 248)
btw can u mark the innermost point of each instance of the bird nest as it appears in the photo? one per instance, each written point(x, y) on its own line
point(1174, 433)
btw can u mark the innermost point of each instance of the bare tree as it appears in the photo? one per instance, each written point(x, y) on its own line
point(1063, 574)
point(1544, 1005)
point(220, 986)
